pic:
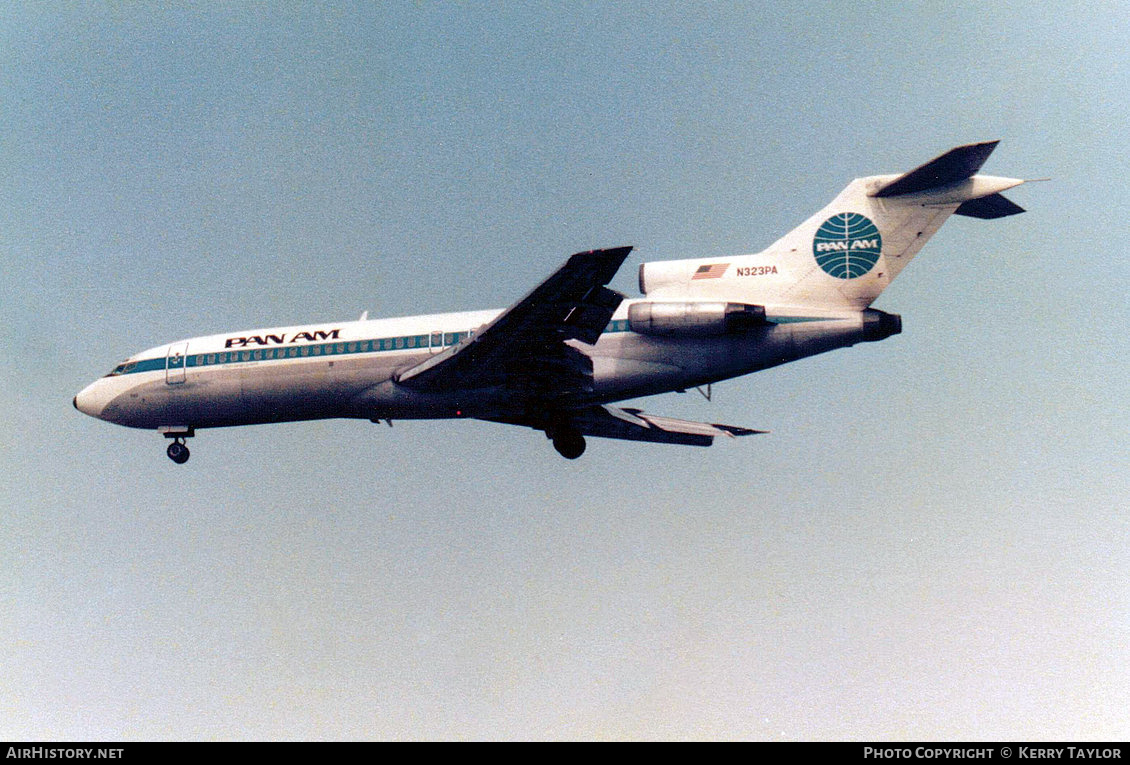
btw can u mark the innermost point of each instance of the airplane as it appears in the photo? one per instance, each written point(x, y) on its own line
point(559, 358)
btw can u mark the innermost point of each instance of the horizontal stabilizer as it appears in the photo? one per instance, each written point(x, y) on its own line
point(635, 425)
point(987, 208)
point(952, 167)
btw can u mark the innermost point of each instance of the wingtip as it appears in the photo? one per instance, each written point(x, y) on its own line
point(986, 146)
point(605, 251)
point(616, 252)
point(613, 256)
point(734, 431)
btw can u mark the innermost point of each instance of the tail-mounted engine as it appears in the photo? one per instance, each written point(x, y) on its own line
point(879, 325)
point(693, 318)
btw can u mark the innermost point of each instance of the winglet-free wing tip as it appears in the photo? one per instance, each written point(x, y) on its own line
point(606, 261)
point(733, 431)
point(610, 253)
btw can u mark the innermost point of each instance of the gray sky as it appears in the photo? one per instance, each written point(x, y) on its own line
point(932, 543)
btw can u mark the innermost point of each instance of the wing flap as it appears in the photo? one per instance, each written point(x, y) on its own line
point(636, 425)
point(591, 315)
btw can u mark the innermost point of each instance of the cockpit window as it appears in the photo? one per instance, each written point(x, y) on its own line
point(124, 368)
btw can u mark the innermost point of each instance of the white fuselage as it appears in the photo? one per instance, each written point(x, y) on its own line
point(558, 359)
point(347, 369)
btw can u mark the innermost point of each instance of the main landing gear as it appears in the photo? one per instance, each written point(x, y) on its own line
point(568, 441)
point(177, 450)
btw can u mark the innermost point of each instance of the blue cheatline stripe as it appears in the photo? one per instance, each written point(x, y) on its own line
point(799, 319)
point(337, 348)
point(306, 351)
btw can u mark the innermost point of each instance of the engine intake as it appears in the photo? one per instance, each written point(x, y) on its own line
point(694, 319)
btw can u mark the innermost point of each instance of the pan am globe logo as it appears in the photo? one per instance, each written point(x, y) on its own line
point(847, 245)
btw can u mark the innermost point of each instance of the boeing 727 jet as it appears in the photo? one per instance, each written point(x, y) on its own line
point(559, 358)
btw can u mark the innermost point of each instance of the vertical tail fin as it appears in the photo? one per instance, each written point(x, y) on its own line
point(846, 254)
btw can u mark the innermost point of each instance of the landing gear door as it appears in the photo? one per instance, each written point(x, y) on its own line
point(175, 363)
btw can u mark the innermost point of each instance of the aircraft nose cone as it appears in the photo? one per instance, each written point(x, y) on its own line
point(90, 400)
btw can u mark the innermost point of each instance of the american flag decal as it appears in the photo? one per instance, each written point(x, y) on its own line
point(712, 271)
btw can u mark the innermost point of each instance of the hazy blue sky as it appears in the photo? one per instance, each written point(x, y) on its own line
point(934, 541)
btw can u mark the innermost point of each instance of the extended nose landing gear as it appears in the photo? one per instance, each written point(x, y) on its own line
point(177, 450)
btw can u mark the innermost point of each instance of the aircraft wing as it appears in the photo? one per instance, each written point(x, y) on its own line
point(636, 425)
point(525, 346)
